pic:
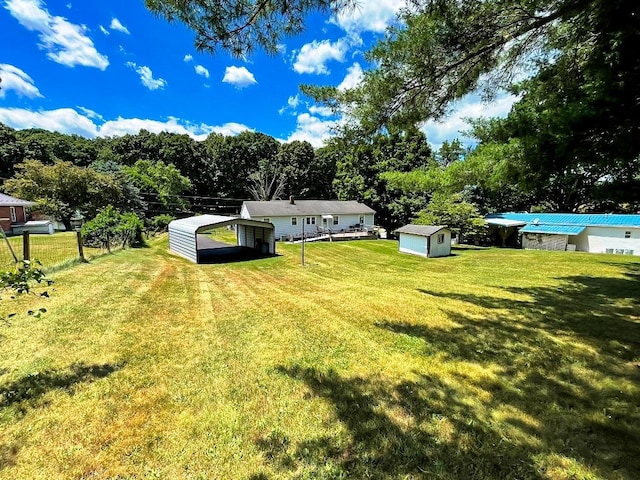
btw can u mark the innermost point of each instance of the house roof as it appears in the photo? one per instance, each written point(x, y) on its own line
point(554, 229)
point(576, 219)
point(284, 208)
point(422, 230)
point(9, 201)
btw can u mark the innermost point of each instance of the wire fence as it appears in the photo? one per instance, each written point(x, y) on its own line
point(50, 250)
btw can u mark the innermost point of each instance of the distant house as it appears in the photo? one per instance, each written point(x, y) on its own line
point(425, 240)
point(316, 216)
point(12, 212)
point(584, 232)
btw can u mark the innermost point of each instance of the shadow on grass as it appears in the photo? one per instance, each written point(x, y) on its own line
point(26, 391)
point(396, 431)
point(536, 388)
point(20, 396)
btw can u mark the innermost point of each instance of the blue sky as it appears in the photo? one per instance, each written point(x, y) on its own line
point(110, 68)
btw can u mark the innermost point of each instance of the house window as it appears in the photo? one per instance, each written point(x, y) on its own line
point(294, 221)
point(311, 220)
point(336, 220)
point(627, 234)
point(441, 238)
point(12, 211)
point(362, 220)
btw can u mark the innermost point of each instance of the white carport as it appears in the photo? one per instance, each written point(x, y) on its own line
point(254, 238)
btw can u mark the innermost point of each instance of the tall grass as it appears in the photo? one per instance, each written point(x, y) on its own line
point(366, 363)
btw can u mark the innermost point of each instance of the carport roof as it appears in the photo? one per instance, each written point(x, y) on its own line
point(202, 222)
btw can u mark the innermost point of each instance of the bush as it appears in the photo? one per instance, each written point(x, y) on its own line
point(160, 223)
point(111, 227)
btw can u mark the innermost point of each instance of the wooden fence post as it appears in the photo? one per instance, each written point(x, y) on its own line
point(26, 245)
point(80, 248)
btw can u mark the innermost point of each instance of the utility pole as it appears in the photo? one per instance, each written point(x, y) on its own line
point(303, 241)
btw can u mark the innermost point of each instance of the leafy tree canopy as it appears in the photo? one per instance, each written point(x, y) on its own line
point(62, 188)
point(239, 26)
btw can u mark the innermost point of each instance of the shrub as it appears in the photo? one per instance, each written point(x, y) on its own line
point(111, 227)
point(160, 223)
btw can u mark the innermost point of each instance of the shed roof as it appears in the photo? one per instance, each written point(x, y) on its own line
point(9, 201)
point(285, 208)
point(203, 222)
point(580, 219)
point(554, 229)
point(422, 230)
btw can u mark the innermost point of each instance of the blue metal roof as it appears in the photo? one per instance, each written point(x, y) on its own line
point(553, 229)
point(577, 219)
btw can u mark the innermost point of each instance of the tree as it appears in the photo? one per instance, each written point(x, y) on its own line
point(232, 159)
point(161, 183)
point(62, 188)
point(461, 217)
point(363, 163)
point(267, 183)
point(239, 26)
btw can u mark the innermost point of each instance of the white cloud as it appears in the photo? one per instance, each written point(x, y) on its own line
point(200, 70)
point(322, 111)
point(312, 129)
point(469, 107)
point(238, 76)
point(146, 76)
point(64, 120)
point(17, 80)
point(90, 113)
point(104, 30)
point(65, 42)
point(352, 78)
point(69, 121)
point(370, 16)
point(312, 57)
point(116, 25)
point(187, 58)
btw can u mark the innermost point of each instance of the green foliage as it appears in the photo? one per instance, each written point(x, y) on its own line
point(111, 227)
point(460, 216)
point(362, 165)
point(161, 182)
point(239, 26)
point(62, 188)
point(160, 223)
point(21, 280)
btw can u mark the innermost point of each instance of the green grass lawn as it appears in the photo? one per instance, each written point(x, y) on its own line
point(366, 363)
point(50, 250)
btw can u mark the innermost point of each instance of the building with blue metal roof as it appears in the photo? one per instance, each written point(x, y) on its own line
point(586, 232)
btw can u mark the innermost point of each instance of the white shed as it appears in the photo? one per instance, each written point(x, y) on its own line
point(34, 226)
point(254, 238)
point(425, 240)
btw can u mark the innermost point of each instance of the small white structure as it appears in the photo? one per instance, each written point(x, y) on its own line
point(35, 226)
point(316, 216)
point(250, 234)
point(425, 240)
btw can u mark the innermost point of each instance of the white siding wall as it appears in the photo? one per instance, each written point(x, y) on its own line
point(414, 244)
point(599, 239)
point(440, 249)
point(284, 227)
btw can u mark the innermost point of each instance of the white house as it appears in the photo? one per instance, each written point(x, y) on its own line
point(291, 216)
point(425, 240)
point(584, 232)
